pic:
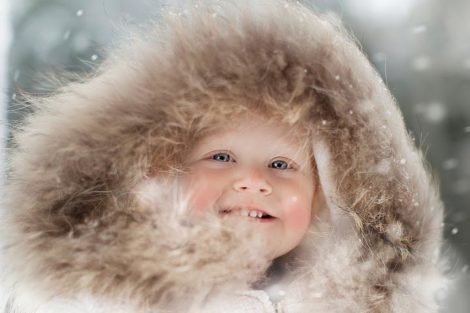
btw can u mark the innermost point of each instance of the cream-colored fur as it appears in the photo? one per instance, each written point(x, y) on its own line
point(92, 210)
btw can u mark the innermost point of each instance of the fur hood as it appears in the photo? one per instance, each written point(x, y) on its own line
point(93, 220)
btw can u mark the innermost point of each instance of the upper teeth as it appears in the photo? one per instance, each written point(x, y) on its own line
point(246, 212)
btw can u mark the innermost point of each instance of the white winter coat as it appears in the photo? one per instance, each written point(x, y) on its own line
point(92, 223)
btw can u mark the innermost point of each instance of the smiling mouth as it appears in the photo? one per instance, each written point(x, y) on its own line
point(254, 214)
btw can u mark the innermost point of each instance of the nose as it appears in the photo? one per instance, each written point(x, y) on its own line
point(253, 182)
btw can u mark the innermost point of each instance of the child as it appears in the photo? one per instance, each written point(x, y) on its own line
point(256, 169)
point(244, 158)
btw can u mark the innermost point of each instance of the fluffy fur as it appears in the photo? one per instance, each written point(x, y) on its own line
point(91, 209)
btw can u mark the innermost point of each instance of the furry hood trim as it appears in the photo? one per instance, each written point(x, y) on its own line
point(91, 207)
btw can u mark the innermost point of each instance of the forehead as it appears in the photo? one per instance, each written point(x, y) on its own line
point(268, 134)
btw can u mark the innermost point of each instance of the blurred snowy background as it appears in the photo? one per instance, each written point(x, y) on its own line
point(421, 48)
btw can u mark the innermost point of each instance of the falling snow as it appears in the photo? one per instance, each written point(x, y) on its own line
point(79, 13)
point(421, 63)
point(450, 164)
point(433, 112)
point(466, 63)
point(419, 29)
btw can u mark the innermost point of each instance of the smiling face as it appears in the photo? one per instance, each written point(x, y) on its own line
point(255, 171)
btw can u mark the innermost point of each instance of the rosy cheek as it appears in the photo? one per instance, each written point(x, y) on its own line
point(297, 213)
point(202, 200)
point(200, 191)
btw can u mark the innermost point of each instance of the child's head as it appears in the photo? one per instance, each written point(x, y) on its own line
point(258, 170)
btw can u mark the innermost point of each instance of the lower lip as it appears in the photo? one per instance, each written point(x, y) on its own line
point(262, 220)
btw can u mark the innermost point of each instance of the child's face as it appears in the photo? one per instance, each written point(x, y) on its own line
point(251, 168)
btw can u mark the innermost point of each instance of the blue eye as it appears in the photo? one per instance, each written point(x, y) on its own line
point(222, 157)
point(280, 165)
